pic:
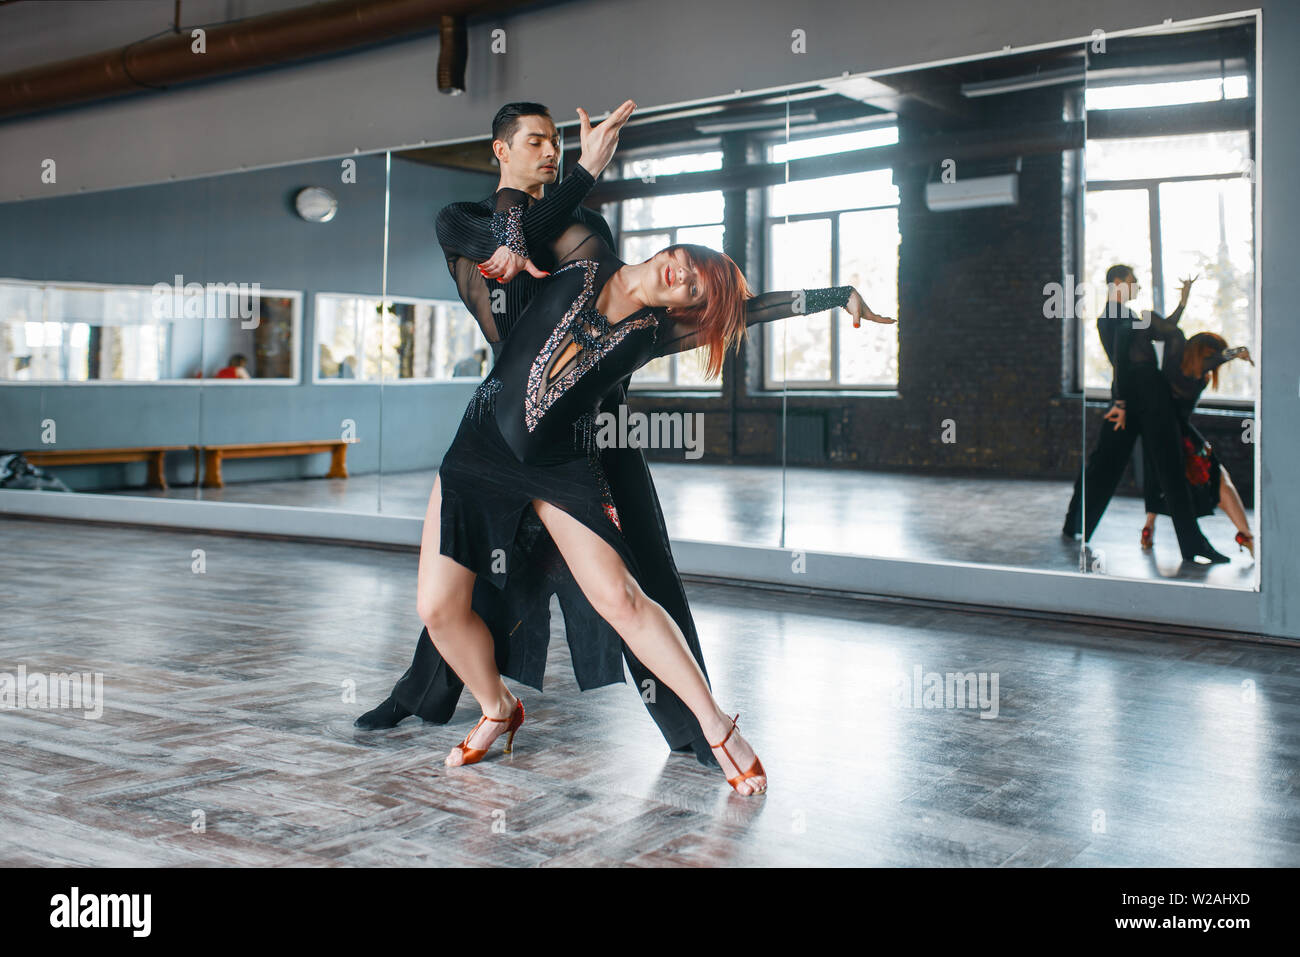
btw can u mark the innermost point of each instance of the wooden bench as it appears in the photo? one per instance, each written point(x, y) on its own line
point(214, 454)
point(151, 454)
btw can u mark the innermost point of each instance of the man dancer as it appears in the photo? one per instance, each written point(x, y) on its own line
point(1123, 336)
point(526, 145)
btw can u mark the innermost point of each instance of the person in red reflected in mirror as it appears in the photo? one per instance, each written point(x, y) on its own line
point(236, 368)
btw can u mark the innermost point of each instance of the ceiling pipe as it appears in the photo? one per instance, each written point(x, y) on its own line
point(254, 43)
point(453, 52)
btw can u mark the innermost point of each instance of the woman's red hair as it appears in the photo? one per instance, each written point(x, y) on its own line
point(720, 321)
point(1199, 348)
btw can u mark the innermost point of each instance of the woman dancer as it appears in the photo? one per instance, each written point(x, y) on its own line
point(1190, 365)
point(527, 442)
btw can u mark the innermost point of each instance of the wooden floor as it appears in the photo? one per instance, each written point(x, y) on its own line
point(987, 521)
point(225, 695)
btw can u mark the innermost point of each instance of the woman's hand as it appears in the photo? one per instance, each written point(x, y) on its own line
point(859, 310)
point(1245, 354)
point(1116, 415)
point(599, 142)
point(505, 264)
point(1187, 289)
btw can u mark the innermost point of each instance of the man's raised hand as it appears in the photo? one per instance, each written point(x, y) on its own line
point(599, 142)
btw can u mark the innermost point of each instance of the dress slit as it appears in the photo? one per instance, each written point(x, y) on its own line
point(489, 508)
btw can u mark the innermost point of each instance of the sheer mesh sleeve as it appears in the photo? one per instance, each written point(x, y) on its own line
point(596, 222)
point(1133, 346)
point(1166, 328)
point(470, 233)
point(677, 336)
point(518, 220)
point(580, 240)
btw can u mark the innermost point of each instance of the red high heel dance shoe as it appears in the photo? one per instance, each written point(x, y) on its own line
point(475, 755)
point(1247, 542)
point(754, 771)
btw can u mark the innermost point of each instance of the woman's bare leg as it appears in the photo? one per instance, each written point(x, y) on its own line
point(443, 599)
point(1230, 502)
point(648, 630)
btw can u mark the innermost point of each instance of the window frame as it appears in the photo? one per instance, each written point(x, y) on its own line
point(711, 145)
point(767, 220)
point(1152, 187)
point(317, 379)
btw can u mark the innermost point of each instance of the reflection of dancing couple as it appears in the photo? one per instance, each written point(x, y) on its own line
point(1182, 477)
point(524, 504)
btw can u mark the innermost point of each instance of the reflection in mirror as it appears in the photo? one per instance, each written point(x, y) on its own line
point(952, 204)
point(98, 354)
point(1170, 268)
point(292, 369)
point(719, 490)
point(434, 352)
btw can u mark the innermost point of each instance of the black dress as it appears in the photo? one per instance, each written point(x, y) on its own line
point(528, 433)
point(469, 233)
point(1201, 464)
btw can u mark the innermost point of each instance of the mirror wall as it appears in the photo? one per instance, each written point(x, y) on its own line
point(324, 359)
point(1171, 198)
point(949, 437)
point(155, 339)
point(299, 427)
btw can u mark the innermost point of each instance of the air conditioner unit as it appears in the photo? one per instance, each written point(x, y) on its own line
point(973, 193)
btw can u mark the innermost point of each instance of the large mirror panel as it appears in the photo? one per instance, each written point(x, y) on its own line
point(1170, 254)
point(434, 352)
point(291, 402)
point(681, 176)
point(99, 360)
point(950, 197)
point(215, 338)
point(952, 436)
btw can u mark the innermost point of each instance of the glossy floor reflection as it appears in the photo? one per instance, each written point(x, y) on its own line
point(231, 692)
point(1014, 522)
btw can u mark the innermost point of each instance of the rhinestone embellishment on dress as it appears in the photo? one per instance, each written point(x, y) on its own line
point(585, 433)
point(483, 401)
point(580, 320)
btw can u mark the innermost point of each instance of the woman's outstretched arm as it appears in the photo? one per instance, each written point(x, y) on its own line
point(682, 336)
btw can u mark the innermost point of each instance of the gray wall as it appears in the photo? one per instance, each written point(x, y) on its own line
point(593, 54)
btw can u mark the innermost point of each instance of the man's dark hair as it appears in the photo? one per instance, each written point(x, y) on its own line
point(1119, 273)
point(506, 122)
point(238, 359)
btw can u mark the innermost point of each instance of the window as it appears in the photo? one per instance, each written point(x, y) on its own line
point(1175, 206)
point(834, 231)
point(412, 339)
point(648, 224)
point(1135, 95)
point(88, 332)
